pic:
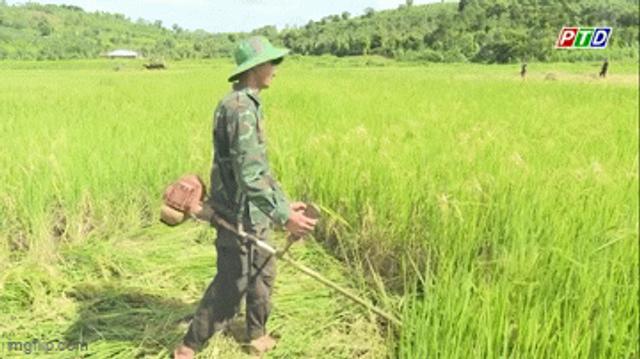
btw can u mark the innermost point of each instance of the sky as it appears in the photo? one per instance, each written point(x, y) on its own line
point(229, 15)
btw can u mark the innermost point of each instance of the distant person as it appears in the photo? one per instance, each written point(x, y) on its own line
point(523, 70)
point(245, 193)
point(605, 68)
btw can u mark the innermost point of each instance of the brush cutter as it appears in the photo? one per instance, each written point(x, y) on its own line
point(184, 199)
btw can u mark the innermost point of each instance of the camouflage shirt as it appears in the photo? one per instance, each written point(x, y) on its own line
point(242, 185)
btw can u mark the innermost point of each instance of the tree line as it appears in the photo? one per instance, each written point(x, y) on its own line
point(52, 32)
point(498, 31)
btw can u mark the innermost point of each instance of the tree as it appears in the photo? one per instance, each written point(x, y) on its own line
point(44, 28)
point(462, 4)
point(368, 12)
point(268, 31)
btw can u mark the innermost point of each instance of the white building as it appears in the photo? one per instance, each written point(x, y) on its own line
point(122, 54)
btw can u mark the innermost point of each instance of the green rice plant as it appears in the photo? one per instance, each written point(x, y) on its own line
point(499, 215)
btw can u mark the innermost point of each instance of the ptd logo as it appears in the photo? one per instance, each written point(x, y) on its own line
point(583, 38)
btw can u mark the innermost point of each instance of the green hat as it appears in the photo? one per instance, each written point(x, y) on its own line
point(254, 51)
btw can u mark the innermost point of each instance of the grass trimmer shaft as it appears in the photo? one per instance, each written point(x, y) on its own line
point(184, 199)
point(306, 270)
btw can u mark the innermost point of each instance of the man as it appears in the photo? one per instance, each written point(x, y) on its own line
point(604, 68)
point(244, 192)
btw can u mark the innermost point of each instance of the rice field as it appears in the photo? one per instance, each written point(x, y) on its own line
point(497, 216)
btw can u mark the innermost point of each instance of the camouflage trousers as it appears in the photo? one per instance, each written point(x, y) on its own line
point(242, 271)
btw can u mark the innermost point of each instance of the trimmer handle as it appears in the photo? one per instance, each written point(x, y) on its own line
point(311, 211)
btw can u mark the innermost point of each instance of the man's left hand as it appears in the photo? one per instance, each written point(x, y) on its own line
point(298, 206)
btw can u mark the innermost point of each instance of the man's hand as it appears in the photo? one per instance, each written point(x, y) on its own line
point(298, 224)
point(297, 206)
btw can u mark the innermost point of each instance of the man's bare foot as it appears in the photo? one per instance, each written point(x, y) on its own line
point(183, 352)
point(261, 345)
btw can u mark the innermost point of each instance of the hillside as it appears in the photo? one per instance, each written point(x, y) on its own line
point(472, 30)
point(51, 32)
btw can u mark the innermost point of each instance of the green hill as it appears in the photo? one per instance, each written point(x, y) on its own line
point(499, 31)
point(52, 32)
point(471, 30)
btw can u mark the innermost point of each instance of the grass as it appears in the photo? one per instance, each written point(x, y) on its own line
point(500, 216)
point(130, 296)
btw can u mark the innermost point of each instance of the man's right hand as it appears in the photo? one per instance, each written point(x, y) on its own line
point(299, 225)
